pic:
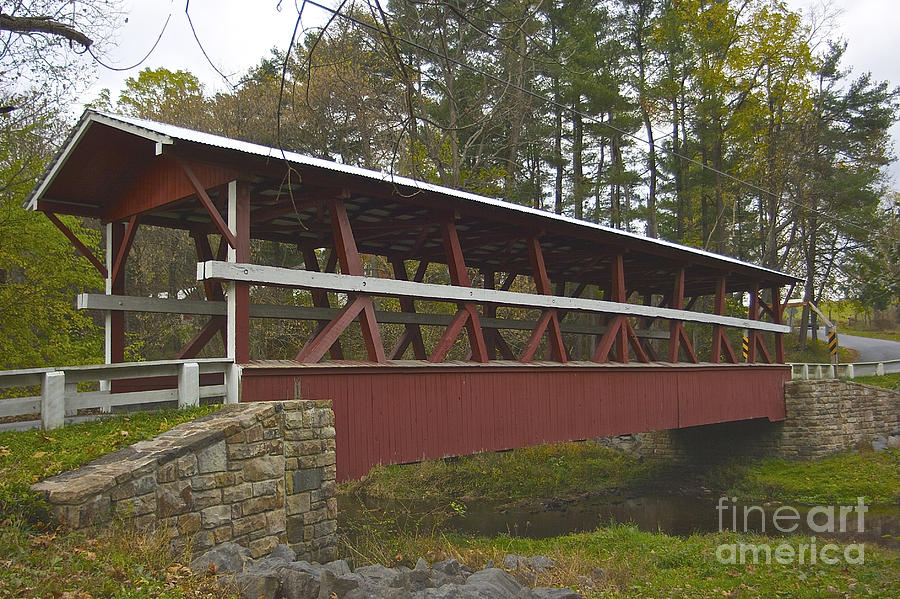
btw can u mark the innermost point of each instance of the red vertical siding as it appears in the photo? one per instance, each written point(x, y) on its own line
point(390, 415)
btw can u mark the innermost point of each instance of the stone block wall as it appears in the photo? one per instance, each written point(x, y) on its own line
point(822, 418)
point(257, 474)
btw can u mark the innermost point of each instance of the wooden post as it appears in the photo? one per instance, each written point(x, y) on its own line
point(778, 318)
point(677, 336)
point(115, 320)
point(238, 295)
point(53, 400)
point(720, 340)
point(188, 385)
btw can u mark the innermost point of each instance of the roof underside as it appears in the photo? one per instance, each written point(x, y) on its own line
point(107, 155)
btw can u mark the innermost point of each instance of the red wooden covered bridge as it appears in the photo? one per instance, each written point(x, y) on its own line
point(562, 329)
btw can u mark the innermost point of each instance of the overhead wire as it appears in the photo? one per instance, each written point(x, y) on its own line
point(202, 49)
point(572, 110)
point(90, 50)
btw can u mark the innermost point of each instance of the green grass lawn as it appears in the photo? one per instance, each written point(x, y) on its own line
point(29, 456)
point(888, 381)
point(557, 470)
point(37, 560)
point(838, 479)
point(815, 352)
point(888, 335)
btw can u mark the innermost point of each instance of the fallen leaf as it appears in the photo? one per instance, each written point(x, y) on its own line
point(39, 454)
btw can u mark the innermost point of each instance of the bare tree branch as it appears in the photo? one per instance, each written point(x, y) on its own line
point(28, 25)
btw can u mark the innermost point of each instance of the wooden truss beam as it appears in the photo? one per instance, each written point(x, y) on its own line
point(412, 334)
point(620, 332)
point(208, 204)
point(118, 270)
point(320, 296)
point(360, 304)
point(82, 249)
point(549, 320)
point(467, 314)
point(213, 292)
point(678, 338)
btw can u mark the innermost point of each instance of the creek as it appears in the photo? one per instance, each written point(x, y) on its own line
point(669, 514)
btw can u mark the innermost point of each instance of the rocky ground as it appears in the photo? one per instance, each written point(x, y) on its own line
point(282, 576)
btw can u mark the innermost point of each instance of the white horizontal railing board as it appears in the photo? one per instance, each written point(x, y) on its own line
point(175, 306)
point(105, 399)
point(270, 275)
point(22, 378)
point(213, 391)
point(24, 425)
point(18, 406)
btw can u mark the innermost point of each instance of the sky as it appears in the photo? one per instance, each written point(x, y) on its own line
point(236, 36)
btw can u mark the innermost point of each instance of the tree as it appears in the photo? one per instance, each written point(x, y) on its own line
point(40, 272)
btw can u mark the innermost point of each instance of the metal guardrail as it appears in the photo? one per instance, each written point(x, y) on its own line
point(805, 371)
point(60, 401)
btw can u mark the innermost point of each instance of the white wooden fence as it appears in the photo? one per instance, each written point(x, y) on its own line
point(60, 401)
point(850, 371)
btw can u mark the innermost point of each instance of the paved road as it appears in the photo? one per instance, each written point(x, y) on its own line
point(870, 350)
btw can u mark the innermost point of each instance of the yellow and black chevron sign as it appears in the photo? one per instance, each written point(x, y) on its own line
point(746, 347)
point(832, 342)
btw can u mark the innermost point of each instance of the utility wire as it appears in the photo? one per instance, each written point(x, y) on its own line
point(202, 49)
point(141, 61)
point(584, 115)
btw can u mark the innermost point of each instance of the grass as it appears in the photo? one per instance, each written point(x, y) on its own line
point(36, 560)
point(888, 381)
point(621, 561)
point(838, 479)
point(558, 470)
point(116, 562)
point(888, 335)
point(815, 352)
point(29, 456)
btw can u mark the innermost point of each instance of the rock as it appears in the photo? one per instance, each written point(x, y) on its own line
point(260, 581)
point(339, 585)
point(497, 584)
point(556, 593)
point(421, 564)
point(413, 580)
point(377, 575)
point(450, 567)
point(489, 564)
point(300, 580)
point(893, 442)
point(539, 564)
point(879, 443)
point(512, 561)
point(283, 552)
point(228, 558)
point(598, 574)
point(338, 567)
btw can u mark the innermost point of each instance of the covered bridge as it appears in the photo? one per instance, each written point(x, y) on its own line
point(617, 361)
